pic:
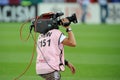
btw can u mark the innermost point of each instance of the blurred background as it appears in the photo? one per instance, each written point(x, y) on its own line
point(89, 11)
point(97, 54)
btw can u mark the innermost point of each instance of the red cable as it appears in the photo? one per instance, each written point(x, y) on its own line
point(28, 66)
point(22, 26)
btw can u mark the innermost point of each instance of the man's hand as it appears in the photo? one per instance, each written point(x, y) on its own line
point(72, 68)
point(65, 22)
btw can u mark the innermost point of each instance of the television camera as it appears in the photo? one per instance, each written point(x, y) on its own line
point(46, 22)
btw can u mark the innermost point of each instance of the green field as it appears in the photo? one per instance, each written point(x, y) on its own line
point(96, 56)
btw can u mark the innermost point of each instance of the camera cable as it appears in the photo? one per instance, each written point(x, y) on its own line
point(33, 51)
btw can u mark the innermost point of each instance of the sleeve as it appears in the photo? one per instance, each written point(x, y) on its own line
point(62, 37)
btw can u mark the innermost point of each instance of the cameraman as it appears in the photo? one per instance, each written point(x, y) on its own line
point(50, 52)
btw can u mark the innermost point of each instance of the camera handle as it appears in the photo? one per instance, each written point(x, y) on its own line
point(31, 27)
point(66, 24)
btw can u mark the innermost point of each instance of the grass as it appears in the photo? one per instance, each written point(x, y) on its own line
point(96, 56)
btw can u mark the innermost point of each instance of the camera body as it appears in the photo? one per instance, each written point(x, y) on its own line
point(47, 22)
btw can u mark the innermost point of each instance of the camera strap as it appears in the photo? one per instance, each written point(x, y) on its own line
point(61, 65)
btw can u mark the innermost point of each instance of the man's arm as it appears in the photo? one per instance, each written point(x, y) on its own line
point(70, 40)
point(72, 68)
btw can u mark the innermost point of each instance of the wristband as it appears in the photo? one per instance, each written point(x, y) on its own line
point(66, 62)
point(68, 29)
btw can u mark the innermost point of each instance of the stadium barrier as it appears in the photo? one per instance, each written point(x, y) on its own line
point(21, 13)
point(93, 15)
point(17, 13)
point(114, 13)
point(71, 8)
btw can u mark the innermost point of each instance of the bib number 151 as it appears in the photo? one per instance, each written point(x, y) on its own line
point(45, 42)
